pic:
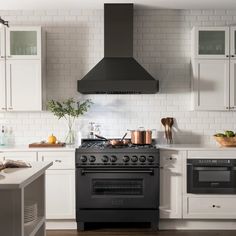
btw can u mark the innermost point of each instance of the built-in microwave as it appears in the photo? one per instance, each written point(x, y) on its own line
point(211, 176)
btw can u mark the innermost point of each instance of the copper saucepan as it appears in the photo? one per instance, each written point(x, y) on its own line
point(115, 142)
point(141, 136)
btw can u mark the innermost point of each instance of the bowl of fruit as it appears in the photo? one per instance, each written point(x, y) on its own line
point(226, 139)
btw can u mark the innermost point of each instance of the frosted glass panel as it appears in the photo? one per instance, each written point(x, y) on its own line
point(211, 42)
point(23, 43)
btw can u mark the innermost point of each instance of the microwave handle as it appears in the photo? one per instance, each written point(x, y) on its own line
point(220, 168)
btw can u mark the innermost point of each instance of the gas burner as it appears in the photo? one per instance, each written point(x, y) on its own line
point(101, 144)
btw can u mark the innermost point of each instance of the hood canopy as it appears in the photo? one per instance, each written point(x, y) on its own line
point(118, 72)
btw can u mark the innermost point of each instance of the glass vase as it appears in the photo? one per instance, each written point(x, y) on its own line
point(70, 137)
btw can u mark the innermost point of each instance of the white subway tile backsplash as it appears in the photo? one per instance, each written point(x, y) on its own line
point(161, 44)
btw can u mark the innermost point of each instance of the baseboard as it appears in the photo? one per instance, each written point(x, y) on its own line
point(197, 224)
point(61, 224)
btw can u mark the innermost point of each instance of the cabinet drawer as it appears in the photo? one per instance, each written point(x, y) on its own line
point(23, 156)
point(61, 160)
point(211, 207)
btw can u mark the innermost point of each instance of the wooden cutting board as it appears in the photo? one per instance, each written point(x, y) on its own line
point(46, 145)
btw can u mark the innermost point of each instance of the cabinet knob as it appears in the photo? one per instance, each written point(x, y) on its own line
point(4, 108)
point(232, 55)
point(216, 206)
point(227, 55)
point(10, 108)
point(227, 107)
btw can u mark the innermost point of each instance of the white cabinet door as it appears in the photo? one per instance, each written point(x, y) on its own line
point(2, 42)
point(23, 43)
point(171, 185)
point(210, 207)
point(233, 84)
point(60, 194)
point(24, 85)
point(23, 156)
point(211, 42)
point(210, 84)
point(233, 43)
point(3, 99)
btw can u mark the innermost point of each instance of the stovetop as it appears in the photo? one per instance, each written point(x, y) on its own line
point(99, 152)
point(102, 145)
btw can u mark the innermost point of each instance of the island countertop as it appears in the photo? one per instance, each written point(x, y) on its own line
point(13, 178)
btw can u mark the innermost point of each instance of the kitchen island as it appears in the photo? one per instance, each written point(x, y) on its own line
point(20, 187)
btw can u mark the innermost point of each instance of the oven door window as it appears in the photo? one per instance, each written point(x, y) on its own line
point(117, 187)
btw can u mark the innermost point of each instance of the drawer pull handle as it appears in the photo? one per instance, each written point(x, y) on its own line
point(215, 206)
point(59, 161)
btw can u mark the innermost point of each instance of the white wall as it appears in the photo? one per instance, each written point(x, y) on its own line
point(161, 45)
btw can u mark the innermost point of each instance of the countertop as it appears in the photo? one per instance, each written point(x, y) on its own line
point(194, 147)
point(22, 148)
point(180, 147)
point(13, 178)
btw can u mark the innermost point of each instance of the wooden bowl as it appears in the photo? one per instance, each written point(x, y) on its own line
point(226, 141)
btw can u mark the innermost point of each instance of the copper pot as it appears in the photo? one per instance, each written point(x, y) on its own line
point(141, 136)
point(148, 137)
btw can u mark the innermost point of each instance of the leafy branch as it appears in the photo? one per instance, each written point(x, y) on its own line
point(68, 108)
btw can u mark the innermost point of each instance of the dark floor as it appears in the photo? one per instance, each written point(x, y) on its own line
point(139, 232)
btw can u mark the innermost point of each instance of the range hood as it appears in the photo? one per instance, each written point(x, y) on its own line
point(118, 72)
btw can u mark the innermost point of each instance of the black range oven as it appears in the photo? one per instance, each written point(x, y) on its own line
point(211, 176)
point(117, 184)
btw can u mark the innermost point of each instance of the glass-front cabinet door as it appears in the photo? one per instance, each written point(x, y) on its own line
point(211, 42)
point(233, 42)
point(2, 42)
point(23, 43)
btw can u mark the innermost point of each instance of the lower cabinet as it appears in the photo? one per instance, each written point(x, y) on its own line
point(60, 194)
point(210, 207)
point(171, 185)
point(60, 185)
point(60, 180)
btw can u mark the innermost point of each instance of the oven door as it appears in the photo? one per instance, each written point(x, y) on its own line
point(210, 179)
point(117, 188)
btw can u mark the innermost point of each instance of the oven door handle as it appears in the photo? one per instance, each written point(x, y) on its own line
point(218, 168)
point(107, 171)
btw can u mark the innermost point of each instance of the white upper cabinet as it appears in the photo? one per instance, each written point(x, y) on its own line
point(23, 43)
point(210, 42)
point(24, 85)
point(213, 68)
point(210, 84)
point(21, 69)
point(233, 42)
point(2, 42)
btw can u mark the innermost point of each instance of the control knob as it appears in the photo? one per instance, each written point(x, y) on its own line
point(125, 158)
point(105, 158)
point(113, 159)
point(150, 158)
point(83, 158)
point(142, 158)
point(134, 158)
point(92, 158)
